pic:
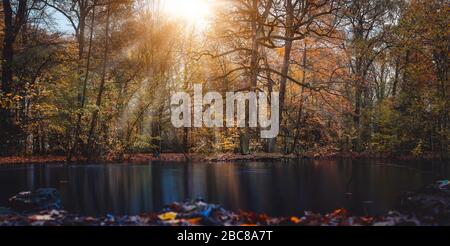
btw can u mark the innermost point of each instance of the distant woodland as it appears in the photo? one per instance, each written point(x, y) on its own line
point(93, 78)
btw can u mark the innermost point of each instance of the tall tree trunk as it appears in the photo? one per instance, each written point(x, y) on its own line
point(98, 102)
point(11, 29)
point(244, 136)
point(395, 83)
point(82, 99)
point(7, 55)
point(300, 110)
point(8, 51)
point(441, 59)
point(289, 34)
point(81, 33)
point(357, 145)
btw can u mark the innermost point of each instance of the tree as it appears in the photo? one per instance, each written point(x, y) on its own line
point(368, 31)
point(13, 23)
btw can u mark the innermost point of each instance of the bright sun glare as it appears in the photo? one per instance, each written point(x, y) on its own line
point(195, 12)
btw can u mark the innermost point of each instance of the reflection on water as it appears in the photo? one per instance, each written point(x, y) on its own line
point(275, 188)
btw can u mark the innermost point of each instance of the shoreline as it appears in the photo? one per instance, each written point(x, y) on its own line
point(144, 158)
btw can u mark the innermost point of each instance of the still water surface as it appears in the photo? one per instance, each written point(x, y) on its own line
point(277, 188)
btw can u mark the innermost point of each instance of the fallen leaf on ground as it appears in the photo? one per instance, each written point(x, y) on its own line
point(40, 217)
point(248, 225)
point(168, 216)
point(194, 221)
point(295, 220)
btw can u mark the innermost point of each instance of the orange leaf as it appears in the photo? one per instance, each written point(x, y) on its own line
point(194, 221)
point(295, 220)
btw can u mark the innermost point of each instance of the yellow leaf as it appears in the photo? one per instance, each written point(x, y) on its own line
point(167, 216)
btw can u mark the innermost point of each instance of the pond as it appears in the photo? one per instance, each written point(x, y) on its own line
point(281, 188)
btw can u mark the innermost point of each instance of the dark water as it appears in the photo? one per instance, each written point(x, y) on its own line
point(275, 188)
